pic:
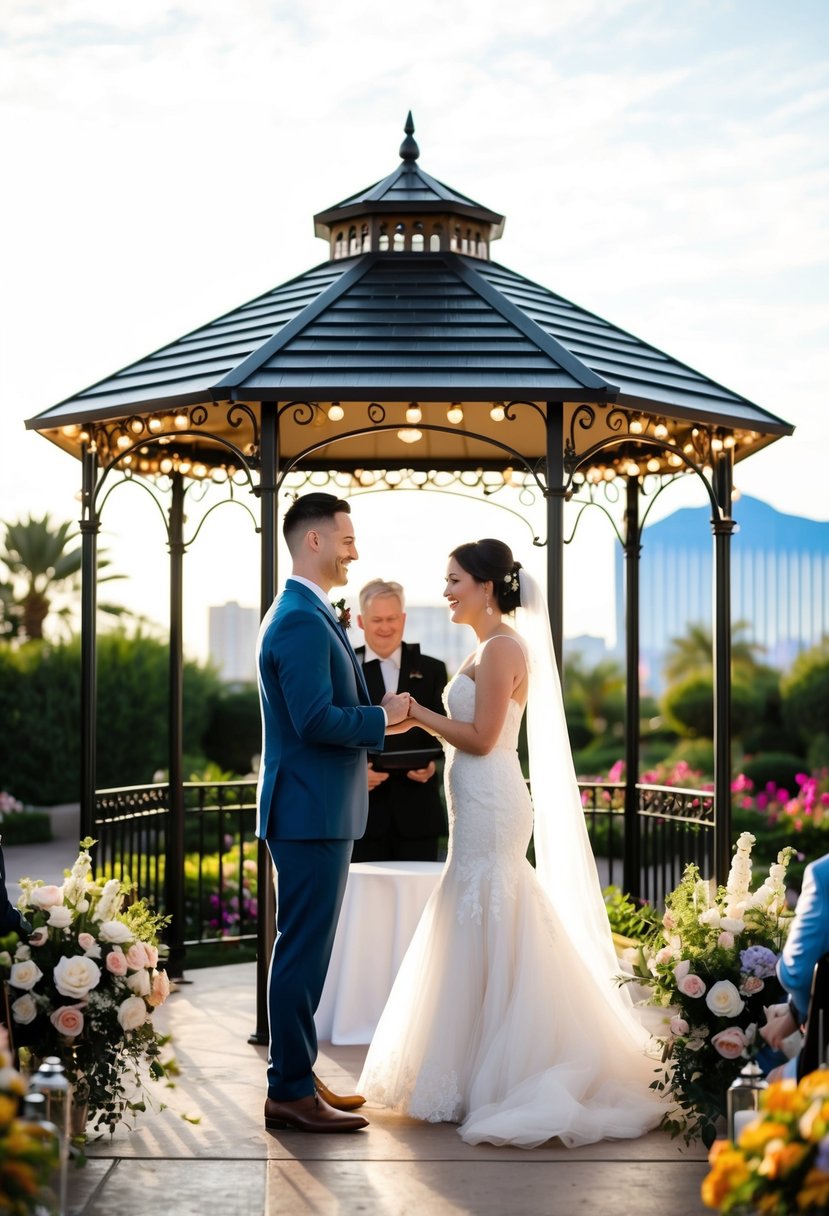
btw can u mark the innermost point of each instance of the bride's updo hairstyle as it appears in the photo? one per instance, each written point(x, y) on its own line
point(492, 560)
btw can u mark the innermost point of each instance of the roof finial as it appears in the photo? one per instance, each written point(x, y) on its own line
point(408, 149)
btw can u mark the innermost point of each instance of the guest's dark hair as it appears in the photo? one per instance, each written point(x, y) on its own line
point(492, 560)
point(308, 512)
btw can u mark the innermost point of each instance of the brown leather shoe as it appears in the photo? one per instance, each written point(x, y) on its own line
point(338, 1101)
point(310, 1114)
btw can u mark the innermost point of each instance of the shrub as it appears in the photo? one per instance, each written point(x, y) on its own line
point(806, 692)
point(233, 735)
point(778, 768)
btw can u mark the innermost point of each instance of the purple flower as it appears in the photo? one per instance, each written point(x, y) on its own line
point(759, 961)
point(822, 1159)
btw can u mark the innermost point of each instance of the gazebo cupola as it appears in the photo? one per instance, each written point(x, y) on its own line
point(408, 212)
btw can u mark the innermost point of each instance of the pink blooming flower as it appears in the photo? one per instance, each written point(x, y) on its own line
point(730, 1043)
point(116, 961)
point(691, 985)
point(67, 1020)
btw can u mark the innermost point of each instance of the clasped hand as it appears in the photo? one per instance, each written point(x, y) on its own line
point(396, 705)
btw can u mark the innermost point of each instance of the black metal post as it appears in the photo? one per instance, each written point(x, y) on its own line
point(631, 860)
point(174, 871)
point(722, 528)
point(89, 526)
point(555, 527)
point(266, 920)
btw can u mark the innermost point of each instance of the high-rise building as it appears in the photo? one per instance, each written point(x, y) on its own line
point(233, 630)
point(779, 582)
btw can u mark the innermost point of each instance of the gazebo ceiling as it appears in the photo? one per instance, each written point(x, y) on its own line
point(409, 318)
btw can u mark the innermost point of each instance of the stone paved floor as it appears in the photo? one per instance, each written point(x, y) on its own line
point(228, 1165)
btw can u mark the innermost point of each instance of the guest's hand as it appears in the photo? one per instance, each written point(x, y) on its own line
point(396, 705)
point(422, 774)
point(777, 1028)
point(375, 777)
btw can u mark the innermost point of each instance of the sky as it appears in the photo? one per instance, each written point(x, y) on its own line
point(661, 164)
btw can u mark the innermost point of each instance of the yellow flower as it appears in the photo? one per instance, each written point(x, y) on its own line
point(782, 1097)
point(815, 1190)
point(816, 1084)
point(781, 1158)
point(813, 1124)
point(729, 1171)
point(757, 1135)
point(8, 1109)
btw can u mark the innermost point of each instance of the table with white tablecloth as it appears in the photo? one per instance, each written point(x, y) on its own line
point(382, 905)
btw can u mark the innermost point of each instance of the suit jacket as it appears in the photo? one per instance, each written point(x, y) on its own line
point(406, 807)
point(10, 918)
point(808, 936)
point(317, 724)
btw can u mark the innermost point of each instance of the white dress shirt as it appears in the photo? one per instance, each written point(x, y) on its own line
point(390, 666)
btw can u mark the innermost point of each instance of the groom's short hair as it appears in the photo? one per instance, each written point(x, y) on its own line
point(309, 512)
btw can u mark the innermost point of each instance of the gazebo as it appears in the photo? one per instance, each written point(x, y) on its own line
point(410, 357)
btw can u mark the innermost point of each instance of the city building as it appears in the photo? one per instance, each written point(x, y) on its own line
point(233, 630)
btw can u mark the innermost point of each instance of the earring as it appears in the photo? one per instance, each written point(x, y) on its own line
point(488, 605)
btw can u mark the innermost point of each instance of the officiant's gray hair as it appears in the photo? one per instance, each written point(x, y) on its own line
point(380, 586)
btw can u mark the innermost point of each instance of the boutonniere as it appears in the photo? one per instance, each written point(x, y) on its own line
point(415, 675)
point(343, 613)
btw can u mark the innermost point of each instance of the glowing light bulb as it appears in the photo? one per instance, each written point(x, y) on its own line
point(155, 424)
point(636, 427)
point(660, 430)
point(455, 413)
point(123, 441)
point(654, 465)
point(409, 435)
point(181, 422)
point(497, 413)
point(336, 413)
point(414, 413)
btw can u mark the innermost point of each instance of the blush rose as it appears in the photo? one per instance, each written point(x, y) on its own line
point(67, 1020)
point(730, 1043)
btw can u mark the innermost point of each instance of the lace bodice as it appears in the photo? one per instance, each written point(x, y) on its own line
point(459, 699)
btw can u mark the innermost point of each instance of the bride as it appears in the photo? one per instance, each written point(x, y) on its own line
point(504, 1016)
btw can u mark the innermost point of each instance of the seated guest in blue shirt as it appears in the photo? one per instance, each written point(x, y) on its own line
point(807, 941)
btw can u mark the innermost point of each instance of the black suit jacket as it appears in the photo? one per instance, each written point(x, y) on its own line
point(10, 918)
point(401, 806)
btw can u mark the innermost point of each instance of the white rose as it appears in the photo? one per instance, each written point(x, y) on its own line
point(60, 917)
point(710, 917)
point(22, 953)
point(115, 931)
point(681, 970)
point(24, 1009)
point(139, 982)
point(75, 976)
point(132, 1013)
point(46, 897)
point(724, 1000)
point(24, 974)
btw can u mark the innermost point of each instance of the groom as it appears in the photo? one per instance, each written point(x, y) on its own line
point(318, 722)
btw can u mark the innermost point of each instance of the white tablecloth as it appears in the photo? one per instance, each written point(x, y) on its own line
point(382, 905)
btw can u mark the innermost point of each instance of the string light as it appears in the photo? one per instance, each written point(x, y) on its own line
point(336, 413)
point(413, 414)
point(455, 413)
point(409, 435)
point(497, 413)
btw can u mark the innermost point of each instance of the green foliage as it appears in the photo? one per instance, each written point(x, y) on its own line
point(233, 735)
point(627, 918)
point(780, 767)
point(805, 691)
point(26, 827)
point(40, 711)
point(689, 704)
point(697, 753)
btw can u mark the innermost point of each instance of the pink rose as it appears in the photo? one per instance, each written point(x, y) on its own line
point(730, 1043)
point(136, 956)
point(665, 956)
point(678, 1026)
point(691, 985)
point(160, 989)
point(152, 954)
point(726, 940)
point(752, 984)
point(116, 962)
point(46, 897)
point(89, 945)
point(67, 1020)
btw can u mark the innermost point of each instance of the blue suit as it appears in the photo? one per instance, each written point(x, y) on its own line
point(809, 935)
point(312, 802)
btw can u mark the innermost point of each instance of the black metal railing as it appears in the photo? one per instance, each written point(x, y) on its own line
point(220, 869)
point(676, 827)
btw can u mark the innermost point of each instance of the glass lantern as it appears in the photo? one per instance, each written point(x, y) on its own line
point(50, 1080)
point(743, 1099)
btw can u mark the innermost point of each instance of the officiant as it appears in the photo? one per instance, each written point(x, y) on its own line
point(406, 818)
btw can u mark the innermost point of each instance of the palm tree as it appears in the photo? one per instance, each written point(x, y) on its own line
point(694, 651)
point(42, 564)
point(594, 687)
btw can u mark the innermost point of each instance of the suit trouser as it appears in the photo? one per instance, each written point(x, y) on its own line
point(310, 884)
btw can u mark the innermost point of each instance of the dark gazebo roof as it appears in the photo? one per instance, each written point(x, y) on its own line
point(410, 308)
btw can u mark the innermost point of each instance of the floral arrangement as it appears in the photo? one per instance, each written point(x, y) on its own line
point(780, 1163)
point(809, 806)
point(84, 987)
point(711, 967)
point(28, 1152)
point(343, 614)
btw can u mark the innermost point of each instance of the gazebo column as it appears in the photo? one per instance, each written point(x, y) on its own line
point(174, 869)
point(555, 527)
point(89, 526)
point(722, 528)
point(631, 860)
point(266, 901)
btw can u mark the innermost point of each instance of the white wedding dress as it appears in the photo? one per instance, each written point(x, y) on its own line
point(495, 1021)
